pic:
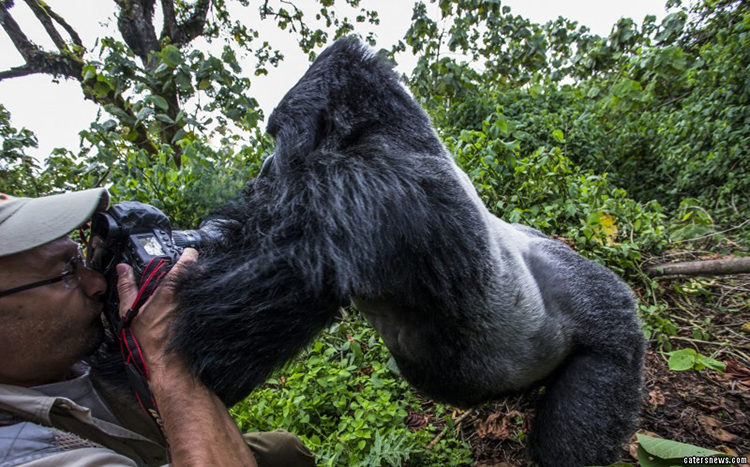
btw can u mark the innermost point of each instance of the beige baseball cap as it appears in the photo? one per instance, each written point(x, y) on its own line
point(26, 223)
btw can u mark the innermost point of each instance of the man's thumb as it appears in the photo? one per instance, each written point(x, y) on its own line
point(126, 287)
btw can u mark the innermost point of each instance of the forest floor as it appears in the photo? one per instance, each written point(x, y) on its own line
point(704, 408)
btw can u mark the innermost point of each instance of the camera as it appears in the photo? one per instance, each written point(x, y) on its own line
point(137, 233)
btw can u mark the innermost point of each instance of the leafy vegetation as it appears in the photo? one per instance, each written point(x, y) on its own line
point(344, 399)
point(660, 108)
point(622, 146)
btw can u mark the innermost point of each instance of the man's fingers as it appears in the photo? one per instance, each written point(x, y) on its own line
point(189, 256)
point(126, 287)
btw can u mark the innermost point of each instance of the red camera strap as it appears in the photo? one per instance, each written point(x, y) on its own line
point(135, 362)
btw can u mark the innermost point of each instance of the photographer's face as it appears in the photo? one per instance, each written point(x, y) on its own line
point(45, 330)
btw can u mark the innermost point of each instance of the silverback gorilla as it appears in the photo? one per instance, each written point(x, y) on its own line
point(361, 203)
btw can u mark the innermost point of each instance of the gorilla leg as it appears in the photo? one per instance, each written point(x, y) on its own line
point(587, 410)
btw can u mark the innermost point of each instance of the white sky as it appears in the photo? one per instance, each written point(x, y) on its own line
point(56, 112)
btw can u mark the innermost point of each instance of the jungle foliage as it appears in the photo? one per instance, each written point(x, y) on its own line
point(618, 145)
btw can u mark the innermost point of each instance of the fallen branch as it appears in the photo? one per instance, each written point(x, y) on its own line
point(442, 433)
point(713, 267)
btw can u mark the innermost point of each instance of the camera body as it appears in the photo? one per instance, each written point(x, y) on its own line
point(136, 233)
point(133, 233)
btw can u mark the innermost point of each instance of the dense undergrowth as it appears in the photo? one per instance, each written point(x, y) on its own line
point(346, 400)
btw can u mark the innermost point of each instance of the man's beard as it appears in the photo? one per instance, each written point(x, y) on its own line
point(95, 337)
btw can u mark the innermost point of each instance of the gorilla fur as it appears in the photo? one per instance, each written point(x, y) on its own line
point(361, 203)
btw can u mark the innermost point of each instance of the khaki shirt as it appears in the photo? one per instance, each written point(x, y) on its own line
point(51, 430)
point(54, 425)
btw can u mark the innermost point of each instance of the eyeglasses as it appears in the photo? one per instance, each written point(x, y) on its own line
point(70, 277)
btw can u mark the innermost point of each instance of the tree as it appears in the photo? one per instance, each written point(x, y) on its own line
point(16, 168)
point(658, 106)
point(150, 82)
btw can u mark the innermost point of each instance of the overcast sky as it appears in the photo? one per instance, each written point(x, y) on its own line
point(56, 112)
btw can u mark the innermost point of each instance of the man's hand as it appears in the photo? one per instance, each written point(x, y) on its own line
point(196, 423)
point(152, 326)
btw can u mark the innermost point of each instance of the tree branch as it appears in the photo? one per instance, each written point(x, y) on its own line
point(137, 28)
point(170, 20)
point(15, 72)
point(65, 63)
point(712, 267)
point(59, 20)
point(25, 47)
point(37, 60)
point(46, 21)
point(192, 27)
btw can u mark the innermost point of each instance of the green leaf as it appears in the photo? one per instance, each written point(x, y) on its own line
point(90, 73)
point(171, 56)
point(164, 118)
point(648, 460)
point(160, 102)
point(132, 135)
point(162, 68)
point(101, 89)
point(183, 81)
point(118, 112)
point(234, 113)
point(558, 136)
point(681, 360)
point(356, 350)
point(178, 136)
point(145, 112)
point(204, 84)
point(703, 361)
point(109, 125)
point(668, 449)
point(593, 92)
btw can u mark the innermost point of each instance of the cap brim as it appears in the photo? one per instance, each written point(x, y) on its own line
point(40, 220)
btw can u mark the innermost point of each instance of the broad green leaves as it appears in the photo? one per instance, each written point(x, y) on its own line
point(657, 452)
point(671, 27)
point(689, 359)
point(342, 399)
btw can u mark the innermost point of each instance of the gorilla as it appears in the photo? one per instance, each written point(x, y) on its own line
point(362, 204)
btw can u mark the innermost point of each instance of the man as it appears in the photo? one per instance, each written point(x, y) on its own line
point(52, 412)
